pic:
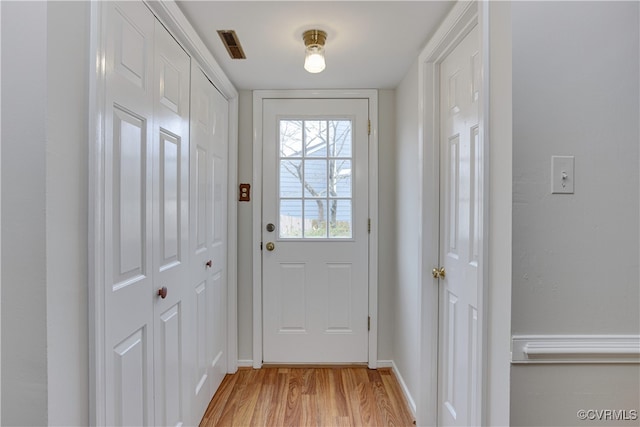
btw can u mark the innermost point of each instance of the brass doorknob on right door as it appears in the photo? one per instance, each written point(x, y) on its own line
point(270, 246)
point(438, 273)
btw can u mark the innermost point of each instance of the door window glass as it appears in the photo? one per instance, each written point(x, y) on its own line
point(315, 179)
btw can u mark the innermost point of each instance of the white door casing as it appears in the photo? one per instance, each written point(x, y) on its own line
point(461, 213)
point(207, 290)
point(315, 277)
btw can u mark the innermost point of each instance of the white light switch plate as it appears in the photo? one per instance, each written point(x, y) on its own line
point(562, 176)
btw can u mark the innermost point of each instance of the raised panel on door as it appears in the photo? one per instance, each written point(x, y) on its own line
point(168, 361)
point(461, 219)
point(209, 145)
point(131, 388)
point(170, 230)
point(128, 270)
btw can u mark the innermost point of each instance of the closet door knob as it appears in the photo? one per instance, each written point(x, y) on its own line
point(162, 292)
point(209, 263)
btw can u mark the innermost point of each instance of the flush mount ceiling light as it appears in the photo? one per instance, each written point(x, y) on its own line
point(314, 52)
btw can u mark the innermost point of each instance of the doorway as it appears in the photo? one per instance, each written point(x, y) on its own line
point(452, 300)
point(315, 291)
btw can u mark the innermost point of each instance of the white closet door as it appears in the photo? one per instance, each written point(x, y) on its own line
point(146, 220)
point(128, 264)
point(170, 226)
point(208, 248)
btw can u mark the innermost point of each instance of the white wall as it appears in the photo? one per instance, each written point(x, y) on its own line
point(386, 112)
point(24, 109)
point(44, 201)
point(575, 257)
point(498, 287)
point(67, 216)
point(406, 286)
point(387, 219)
point(0, 218)
point(245, 224)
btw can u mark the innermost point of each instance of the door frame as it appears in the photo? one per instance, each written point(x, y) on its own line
point(463, 17)
point(494, 20)
point(174, 20)
point(258, 97)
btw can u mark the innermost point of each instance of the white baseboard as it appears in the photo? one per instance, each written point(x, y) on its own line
point(403, 386)
point(575, 349)
point(245, 363)
point(385, 364)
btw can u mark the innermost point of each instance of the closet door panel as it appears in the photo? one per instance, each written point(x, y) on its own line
point(170, 227)
point(128, 264)
point(208, 249)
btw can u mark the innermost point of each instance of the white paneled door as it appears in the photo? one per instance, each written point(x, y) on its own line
point(170, 163)
point(315, 237)
point(208, 285)
point(460, 234)
point(146, 170)
point(129, 301)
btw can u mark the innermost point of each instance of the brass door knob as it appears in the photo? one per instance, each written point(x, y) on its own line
point(270, 246)
point(438, 273)
point(162, 292)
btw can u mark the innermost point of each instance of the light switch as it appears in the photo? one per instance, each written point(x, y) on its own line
point(562, 176)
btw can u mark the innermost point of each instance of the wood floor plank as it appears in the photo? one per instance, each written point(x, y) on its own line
point(396, 397)
point(264, 406)
point(293, 412)
point(309, 411)
point(214, 412)
point(308, 397)
point(276, 416)
point(339, 398)
point(350, 384)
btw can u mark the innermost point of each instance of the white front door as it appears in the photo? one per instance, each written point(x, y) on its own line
point(315, 231)
point(460, 234)
point(208, 249)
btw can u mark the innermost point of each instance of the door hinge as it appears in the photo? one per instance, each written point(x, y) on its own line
point(369, 128)
point(369, 225)
point(369, 323)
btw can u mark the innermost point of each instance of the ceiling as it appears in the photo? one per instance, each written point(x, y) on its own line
point(370, 44)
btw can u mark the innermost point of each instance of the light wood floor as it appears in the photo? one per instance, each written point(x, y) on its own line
point(303, 397)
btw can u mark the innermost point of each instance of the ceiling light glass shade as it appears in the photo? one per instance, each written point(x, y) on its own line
point(314, 50)
point(314, 59)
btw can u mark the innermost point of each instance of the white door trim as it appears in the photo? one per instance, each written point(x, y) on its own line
point(177, 24)
point(462, 18)
point(258, 97)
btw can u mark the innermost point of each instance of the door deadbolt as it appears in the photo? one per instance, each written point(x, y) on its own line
point(270, 227)
point(270, 246)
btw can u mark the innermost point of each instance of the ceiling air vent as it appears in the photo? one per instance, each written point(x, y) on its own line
point(231, 42)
